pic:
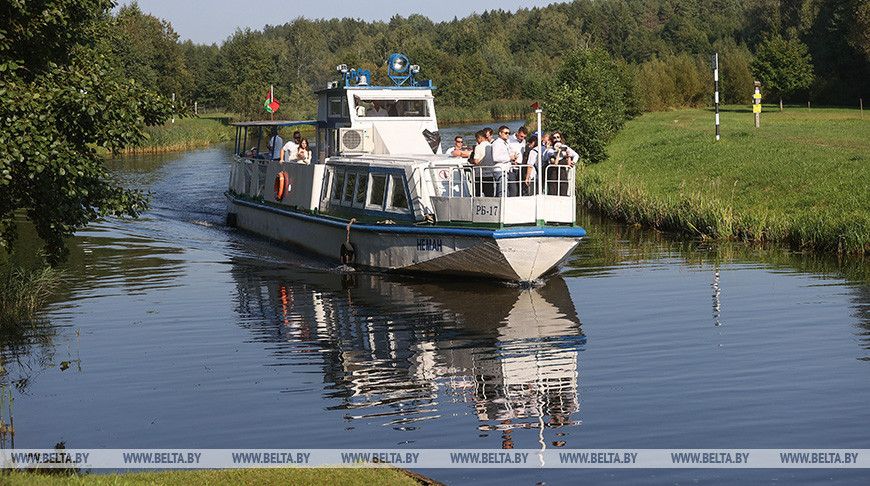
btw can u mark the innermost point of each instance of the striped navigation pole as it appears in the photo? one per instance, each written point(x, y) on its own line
point(716, 88)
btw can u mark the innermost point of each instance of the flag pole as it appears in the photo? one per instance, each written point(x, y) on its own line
point(271, 100)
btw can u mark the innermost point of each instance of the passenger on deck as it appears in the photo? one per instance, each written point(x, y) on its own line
point(276, 143)
point(529, 171)
point(377, 110)
point(561, 157)
point(288, 152)
point(251, 154)
point(517, 144)
point(303, 153)
point(488, 133)
point(459, 148)
point(502, 159)
point(482, 157)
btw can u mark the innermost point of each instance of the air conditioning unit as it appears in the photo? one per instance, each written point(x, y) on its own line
point(355, 140)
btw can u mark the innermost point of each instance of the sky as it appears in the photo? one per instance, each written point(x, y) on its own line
point(213, 21)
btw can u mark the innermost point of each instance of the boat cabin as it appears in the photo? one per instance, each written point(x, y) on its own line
point(377, 157)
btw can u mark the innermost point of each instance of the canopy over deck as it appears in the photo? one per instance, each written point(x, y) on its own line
point(273, 123)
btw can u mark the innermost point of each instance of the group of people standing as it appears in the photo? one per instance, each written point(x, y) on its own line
point(511, 162)
point(296, 150)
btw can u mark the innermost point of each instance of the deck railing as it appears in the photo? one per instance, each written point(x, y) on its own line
point(480, 194)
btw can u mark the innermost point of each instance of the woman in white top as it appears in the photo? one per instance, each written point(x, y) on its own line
point(303, 153)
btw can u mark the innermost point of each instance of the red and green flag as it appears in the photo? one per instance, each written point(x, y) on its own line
point(271, 106)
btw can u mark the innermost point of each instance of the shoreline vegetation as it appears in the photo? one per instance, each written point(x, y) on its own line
point(24, 290)
point(800, 179)
point(797, 180)
point(207, 129)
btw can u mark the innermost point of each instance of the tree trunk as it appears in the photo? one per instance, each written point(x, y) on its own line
point(780, 104)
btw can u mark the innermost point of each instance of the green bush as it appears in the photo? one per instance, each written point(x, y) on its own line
point(589, 102)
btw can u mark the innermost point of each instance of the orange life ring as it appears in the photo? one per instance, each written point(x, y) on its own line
point(280, 186)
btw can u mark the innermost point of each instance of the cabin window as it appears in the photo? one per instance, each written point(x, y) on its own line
point(398, 197)
point(361, 183)
point(392, 108)
point(377, 191)
point(349, 186)
point(337, 107)
point(337, 185)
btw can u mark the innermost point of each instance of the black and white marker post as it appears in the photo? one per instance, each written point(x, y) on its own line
point(716, 89)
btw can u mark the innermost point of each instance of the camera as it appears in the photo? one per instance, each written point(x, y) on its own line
point(560, 152)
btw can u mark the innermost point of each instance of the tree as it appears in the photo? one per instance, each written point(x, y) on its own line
point(859, 26)
point(148, 51)
point(588, 102)
point(783, 66)
point(60, 99)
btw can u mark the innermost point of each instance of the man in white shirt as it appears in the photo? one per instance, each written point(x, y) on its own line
point(502, 159)
point(275, 144)
point(377, 109)
point(482, 157)
point(288, 151)
point(517, 144)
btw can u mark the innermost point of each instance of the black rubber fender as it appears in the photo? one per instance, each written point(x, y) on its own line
point(348, 254)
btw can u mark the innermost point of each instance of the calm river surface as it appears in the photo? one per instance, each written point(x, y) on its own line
point(174, 331)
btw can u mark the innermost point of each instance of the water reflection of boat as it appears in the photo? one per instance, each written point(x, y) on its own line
point(401, 350)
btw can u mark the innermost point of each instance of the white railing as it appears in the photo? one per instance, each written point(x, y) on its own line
point(248, 176)
point(482, 195)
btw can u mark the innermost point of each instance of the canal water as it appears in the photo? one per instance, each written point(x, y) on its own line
point(174, 331)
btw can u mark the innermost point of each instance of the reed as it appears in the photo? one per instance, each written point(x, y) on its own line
point(798, 180)
point(23, 292)
point(185, 134)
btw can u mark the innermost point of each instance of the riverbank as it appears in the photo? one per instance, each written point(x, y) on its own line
point(261, 476)
point(186, 134)
point(800, 179)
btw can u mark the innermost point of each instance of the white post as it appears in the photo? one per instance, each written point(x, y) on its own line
point(540, 167)
point(716, 88)
point(173, 107)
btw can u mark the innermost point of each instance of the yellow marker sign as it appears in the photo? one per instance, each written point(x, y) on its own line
point(757, 96)
point(756, 108)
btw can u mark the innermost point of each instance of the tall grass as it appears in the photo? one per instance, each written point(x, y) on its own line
point(23, 292)
point(185, 134)
point(801, 179)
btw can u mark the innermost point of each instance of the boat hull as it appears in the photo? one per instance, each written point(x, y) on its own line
point(519, 254)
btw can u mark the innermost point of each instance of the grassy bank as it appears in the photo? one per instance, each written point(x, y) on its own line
point(276, 476)
point(803, 178)
point(185, 134)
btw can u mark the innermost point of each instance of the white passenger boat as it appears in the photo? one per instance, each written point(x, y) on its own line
point(381, 193)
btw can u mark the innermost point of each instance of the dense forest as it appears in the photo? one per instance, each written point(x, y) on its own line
point(667, 44)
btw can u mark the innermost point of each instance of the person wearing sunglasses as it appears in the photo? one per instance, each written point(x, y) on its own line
point(559, 158)
point(502, 159)
point(459, 148)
